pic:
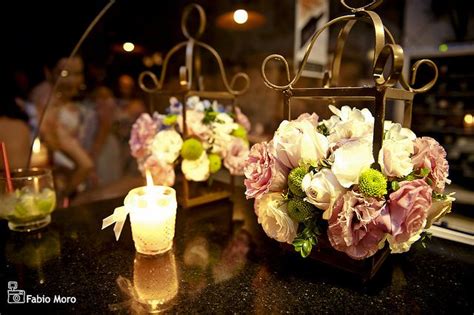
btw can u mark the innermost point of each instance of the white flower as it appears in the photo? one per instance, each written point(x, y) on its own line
point(395, 157)
point(350, 160)
point(272, 214)
point(438, 209)
point(224, 124)
point(166, 145)
point(322, 190)
point(353, 123)
point(398, 248)
point(298, 141)
point(395, 131)
point(196, 170)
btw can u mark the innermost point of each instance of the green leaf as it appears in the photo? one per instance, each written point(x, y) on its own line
point(424, 172)
point(395, 185)
point(306, 249)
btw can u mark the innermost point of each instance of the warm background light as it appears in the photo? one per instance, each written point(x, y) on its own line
point(240, 16)
point(128, 47)
point(468, 119)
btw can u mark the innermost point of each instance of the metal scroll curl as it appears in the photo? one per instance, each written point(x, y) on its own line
point(385, 47)
point(186, 72)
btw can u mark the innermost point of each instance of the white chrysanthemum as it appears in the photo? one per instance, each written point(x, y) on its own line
point(166, 145)
point(350, 160)
point(272, 214)
point(196, 170)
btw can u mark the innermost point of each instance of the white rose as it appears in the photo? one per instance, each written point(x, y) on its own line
point(395, 157)
point(196, 170)
point(438, 209)
point(298, 141)
point(223, 124)
point(322, 190)
point(398, 248)
point(272, 214)
point(350, 160)
point(166, 145)
point(395, 131)
point(353, 123)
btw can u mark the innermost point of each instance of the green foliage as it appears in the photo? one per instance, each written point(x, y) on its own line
point(323, 129)
point(307, 238)
point(209, 116)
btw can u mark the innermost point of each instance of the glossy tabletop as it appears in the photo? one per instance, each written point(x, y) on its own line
point(221, 262)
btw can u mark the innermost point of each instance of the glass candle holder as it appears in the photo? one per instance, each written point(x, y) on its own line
point(152, 217)
point(33, 199)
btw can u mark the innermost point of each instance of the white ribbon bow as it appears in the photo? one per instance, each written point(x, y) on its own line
point(118, 217)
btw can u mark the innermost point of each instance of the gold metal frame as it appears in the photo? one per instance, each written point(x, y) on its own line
point(191, 84)
point(385, 85)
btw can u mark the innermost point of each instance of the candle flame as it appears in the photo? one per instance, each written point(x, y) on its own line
point(36, 145)
point(149, 179)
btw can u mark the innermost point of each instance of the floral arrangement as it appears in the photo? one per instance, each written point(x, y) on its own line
point(216, 136)
point(318, 177)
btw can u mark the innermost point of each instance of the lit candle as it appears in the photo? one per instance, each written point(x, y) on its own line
point(152, 215)
point(39, 156)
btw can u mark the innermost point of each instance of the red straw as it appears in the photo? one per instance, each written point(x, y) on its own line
point(6, 165)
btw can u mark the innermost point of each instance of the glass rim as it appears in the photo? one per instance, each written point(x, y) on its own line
point(26, 173)
point(163, 190)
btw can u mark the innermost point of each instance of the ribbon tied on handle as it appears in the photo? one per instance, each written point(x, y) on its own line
point(118, 217)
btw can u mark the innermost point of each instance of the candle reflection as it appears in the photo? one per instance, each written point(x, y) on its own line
point(154, 287)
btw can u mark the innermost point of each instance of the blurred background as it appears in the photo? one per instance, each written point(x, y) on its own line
point(103, 98)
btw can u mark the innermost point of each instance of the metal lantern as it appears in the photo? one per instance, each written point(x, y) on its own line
point(389, 84)
point(191, 84)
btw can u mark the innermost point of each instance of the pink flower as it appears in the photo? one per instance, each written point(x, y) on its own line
point(237, 153)
point(195, 127)
point(242, 119)
point(263, 172)
point(313, 118)
point(430, 154)
point(142, 134)
point(408, 207)
point(358, 225)
point(162, 172)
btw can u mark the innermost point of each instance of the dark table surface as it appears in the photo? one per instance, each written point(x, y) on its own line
point(221, 262)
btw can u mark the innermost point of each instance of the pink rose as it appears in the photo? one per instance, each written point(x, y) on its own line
point(195, 127)
point(142, 134)
point(358, 225)
point(408, 207)
point(430, 154)
point(237, 153)
point(162, 172)
point(263, 172)
point(242, 119)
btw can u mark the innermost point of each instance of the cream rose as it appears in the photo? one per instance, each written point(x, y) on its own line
point(322, 190)
point(438, 209)
point(197, 170)
point(272, 214)
point(395, 157)
point(166, 145)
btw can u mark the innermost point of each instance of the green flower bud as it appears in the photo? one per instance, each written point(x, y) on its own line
point(192, 149)
point(372, 183)
point(294, 180)
point(215, 163)
point(240, 132)
point(170, 120)
point(299, 210)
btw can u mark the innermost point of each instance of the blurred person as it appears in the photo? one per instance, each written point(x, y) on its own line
point(126, 89)
point(105, 149)
point(14, 130)
point(61, 127)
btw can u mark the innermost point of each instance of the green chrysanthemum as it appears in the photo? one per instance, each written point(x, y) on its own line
point(215, 163)
point(372, 183)
point(192, 149)
point(170, 120)
point(240, 132)
point(294, 180)
point(299, 210)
